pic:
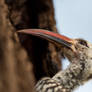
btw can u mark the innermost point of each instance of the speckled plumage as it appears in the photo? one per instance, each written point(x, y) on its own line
point(75, 75)
point(79, 53)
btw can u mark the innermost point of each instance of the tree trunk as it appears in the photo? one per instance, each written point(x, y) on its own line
point(15, 70)
point(22, 66)
point(45, 57)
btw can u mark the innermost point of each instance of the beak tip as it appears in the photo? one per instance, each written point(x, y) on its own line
point(20, 31)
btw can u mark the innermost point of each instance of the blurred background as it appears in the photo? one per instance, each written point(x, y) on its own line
point(74, 19)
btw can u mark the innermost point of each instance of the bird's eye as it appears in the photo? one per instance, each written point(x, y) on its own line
point(83, 42)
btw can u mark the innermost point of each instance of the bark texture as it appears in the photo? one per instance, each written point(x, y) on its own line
point(25, 59)
point(15, 69)
point(44, 56)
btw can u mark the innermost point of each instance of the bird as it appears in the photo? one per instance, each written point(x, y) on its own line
point(79, 53)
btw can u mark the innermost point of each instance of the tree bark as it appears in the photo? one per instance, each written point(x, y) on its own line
point(16, 73)
point(44, 56)
point(25, 59)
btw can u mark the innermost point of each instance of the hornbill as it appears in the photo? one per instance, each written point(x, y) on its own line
point(79, 53)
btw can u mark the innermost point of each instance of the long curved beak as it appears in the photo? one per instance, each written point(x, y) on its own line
point(55, 38)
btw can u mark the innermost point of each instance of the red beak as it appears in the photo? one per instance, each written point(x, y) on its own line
point(50, 36)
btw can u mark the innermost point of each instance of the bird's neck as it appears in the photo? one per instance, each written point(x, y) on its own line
point(70, 78)
point(73, 76)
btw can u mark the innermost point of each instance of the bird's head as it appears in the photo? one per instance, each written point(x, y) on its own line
point(70, 47)
point(78, 46)
point(76, 50)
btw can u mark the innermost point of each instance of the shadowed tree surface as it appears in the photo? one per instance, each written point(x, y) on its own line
point(44, 56)
point(21, 68)
point(15, 70)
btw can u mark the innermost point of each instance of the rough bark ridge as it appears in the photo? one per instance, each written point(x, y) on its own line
point(36, 14)
point(15, 70)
